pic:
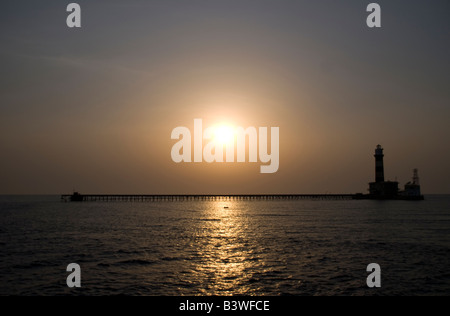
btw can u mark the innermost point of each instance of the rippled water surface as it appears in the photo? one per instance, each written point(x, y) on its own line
point(224, 247)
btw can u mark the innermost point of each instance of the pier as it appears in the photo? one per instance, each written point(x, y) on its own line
point(76, 197)
point(378, 190)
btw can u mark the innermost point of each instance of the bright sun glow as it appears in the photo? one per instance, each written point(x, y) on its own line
point(224, 134)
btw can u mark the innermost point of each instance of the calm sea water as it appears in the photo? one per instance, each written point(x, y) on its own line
point(202, 248)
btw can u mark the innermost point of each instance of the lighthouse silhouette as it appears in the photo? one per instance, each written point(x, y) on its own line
point(379, 164)
point(388, 190)
point(381, 189)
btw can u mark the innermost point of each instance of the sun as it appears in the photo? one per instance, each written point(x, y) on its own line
point(224, 134)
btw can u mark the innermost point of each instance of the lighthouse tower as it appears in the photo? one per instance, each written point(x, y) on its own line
point(379, 164)
point(381, 189)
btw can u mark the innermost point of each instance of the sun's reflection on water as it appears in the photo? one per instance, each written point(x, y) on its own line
point(227, 254)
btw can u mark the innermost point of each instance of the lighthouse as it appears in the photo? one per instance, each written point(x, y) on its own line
point(379, 164)
point(381, 189)
point(388, 190)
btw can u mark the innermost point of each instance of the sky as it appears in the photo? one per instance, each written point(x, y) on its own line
point(92, 108)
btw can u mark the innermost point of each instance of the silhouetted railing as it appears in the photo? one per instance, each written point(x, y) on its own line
point(234, 197)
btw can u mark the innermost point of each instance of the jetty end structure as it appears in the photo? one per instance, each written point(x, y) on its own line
point(389, 190)
point(378, 190)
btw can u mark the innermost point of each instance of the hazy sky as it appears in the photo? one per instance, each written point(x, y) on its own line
point(92, 109)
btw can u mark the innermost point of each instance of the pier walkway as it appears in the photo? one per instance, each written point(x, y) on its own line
point(239, 197)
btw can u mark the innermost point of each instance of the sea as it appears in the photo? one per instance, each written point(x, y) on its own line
point(223, 248)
